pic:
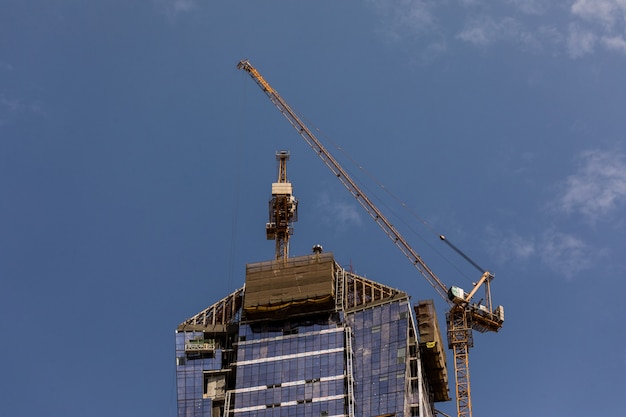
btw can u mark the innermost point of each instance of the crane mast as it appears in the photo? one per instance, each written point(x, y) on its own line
point(283, 209)
point(463, 316)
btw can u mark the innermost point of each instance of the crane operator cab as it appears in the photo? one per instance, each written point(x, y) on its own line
point(482, 319)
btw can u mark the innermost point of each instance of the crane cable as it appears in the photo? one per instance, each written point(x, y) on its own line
point(295, 120)
point(402, 204)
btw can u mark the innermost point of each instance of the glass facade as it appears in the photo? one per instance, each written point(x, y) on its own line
point(191, 368)
point(358, 359)
point(292, 372)
point(380, 357)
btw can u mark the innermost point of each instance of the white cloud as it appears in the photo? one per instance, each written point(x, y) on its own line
point(183, 5)
point(596, 191)
point(339, 212)
point(532, 7)
point(13, 108)
point(471, 3)
point(615, 43)
point(578, 26)
point(484, 31)
point(174, 7)
point(413, 20)
point(510, 246)
point(606, 12)
point(598, 188)
point(407, 17)
point(580, 41)
point(605, 23)
point(520, 247)
point(479, 32)
point(565, 253)
point(20, 106)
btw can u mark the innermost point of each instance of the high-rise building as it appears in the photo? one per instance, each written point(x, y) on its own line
point(306, 337)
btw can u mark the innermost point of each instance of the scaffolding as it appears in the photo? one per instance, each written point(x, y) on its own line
point(303, 337)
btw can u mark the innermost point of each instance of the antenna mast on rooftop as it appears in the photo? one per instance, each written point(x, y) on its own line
point(283, 209)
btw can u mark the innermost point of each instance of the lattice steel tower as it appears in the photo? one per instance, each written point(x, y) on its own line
point(283, 209)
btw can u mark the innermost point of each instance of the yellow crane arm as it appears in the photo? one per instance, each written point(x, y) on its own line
point(346, 180)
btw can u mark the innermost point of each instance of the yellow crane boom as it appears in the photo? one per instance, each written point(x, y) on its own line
point(343, 176)
point(463, 316)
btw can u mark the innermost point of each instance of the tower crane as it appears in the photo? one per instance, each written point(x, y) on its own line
point(464, 316)
point(283, 209)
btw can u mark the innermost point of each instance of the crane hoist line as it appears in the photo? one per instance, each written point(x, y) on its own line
point(343, 176)
point(464, 315)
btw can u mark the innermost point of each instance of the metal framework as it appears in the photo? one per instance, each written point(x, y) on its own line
point(217, 317)
point(354, 292)
point(283, 209)
point(460, 339)
point(349, 373)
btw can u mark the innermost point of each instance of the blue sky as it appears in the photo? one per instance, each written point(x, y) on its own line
point(136, 163)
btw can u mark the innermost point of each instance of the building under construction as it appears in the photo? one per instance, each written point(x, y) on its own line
point(306, 337)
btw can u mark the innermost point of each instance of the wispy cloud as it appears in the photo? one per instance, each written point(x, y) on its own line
point(578, 28)
point(616, 43)
point(606, 12)
point(510, 246)
point(12, 108)
point(596, 192)
point(484, 30)
point(598, 23)
point(340, 212)
point(566, 254)
point(580, 41)
point(563, 253)
point(174, 7)
point(597, 188)
point(183, 5)
point(531, 7)
point(407, 17)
